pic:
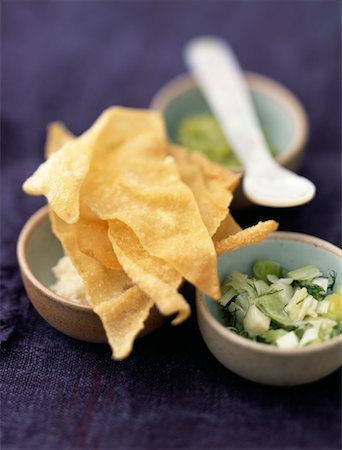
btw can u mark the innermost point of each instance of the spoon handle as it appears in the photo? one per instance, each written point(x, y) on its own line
point(217, 72)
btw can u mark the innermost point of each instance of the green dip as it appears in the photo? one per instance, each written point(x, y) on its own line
point(203, 133)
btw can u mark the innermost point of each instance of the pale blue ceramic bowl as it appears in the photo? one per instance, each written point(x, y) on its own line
point(280, 113)
point(265, 363)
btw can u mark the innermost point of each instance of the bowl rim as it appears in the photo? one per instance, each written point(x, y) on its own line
point(22, 242)
point(182, 83)
point(260, 347)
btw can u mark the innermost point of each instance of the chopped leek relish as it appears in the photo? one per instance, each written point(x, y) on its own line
point(286, 309)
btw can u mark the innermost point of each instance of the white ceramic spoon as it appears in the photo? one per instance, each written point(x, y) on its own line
point(217, 72)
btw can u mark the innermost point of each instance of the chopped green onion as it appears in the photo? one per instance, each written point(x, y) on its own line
point(299, 310)
point(287, 341)
point(306, 273)
point(265, 267)
point(255, 322)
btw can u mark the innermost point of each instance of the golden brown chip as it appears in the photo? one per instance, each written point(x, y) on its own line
point(57, 136)
point(92, 239)
point(227, 227)
point(123, 318)
point(136, 216)
point(60, 178)
point(248, 236)
point(152, 275)
point(210, 184)
point(214, 172)
point(124, 124)
point(122, 307)
point(168, 225)
point(101, 284)
point(140, 186)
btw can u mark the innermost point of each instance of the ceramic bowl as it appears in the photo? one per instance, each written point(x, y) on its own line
point(261, 362)
point(38, 250)
point(280, 113)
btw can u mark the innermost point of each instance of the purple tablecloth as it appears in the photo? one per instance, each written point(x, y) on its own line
point(68, 61)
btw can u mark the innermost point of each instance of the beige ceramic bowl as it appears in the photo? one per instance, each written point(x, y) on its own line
point(38, 251)
point(280, 112)
point(261, 362)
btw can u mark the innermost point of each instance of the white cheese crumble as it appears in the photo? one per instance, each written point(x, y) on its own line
point(68, 282)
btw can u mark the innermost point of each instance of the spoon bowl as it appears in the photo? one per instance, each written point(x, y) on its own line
point(277, 187)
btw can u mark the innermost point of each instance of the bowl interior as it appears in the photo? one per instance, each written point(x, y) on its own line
point(290, 253)
point(43, 250)
point(274, 115)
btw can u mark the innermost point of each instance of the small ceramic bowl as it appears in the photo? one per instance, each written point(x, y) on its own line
point(38, 250)
point(280, 113)
point(264, 363)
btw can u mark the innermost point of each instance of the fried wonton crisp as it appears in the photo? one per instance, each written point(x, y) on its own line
point(57, 136)
point(60, 178)
point(138, 216)
point(210, 184)
point(248, 236)
point(154, 276)
point(122, 307)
